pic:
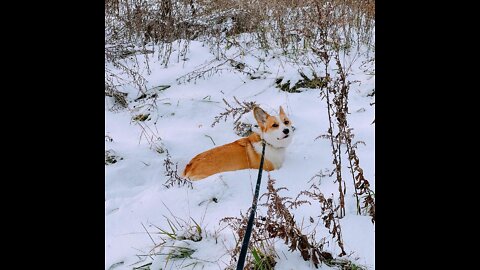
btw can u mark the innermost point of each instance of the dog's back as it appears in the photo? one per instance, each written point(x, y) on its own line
point(237, 155)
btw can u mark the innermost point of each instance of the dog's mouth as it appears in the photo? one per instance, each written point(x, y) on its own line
point(286, 136)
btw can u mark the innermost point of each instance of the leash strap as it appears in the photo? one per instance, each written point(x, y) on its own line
point(248, 232)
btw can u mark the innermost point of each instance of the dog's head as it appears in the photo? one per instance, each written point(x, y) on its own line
point(277, 130)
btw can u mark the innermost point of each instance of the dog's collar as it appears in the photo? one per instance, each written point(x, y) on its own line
point(265, 142)
point(269, 144)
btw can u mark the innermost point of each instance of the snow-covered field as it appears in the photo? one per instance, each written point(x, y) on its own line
point(136, 200)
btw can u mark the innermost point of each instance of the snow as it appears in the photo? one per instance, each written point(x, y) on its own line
point(135, 196)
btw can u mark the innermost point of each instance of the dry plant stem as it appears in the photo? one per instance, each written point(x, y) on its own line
point(236, 112)
point(350, 152)
point(342, 111)
point(171, 171)
point(338, 106)
point(335, 145)
point(361, 185)
point(330, 220)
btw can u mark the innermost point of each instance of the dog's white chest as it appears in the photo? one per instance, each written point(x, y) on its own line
point(275, 155)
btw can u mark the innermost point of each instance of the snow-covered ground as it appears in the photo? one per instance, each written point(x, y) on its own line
point(136, 200)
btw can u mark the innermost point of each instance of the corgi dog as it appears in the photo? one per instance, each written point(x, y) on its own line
point(245, 153)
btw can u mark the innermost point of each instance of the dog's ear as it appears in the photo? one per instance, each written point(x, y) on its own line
point(261, 116)
point(282, 112)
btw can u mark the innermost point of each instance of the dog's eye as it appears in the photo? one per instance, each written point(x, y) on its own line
point(287, 122)
point(275, 125)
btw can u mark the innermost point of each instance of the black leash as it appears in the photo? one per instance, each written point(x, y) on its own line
point(248, 232)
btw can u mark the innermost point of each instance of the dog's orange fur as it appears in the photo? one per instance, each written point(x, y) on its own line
point(237, 155)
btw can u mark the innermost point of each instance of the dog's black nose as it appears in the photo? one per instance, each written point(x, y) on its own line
point(286, 131)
